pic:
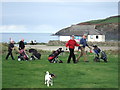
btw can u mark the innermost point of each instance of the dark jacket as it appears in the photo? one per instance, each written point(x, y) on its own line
point(83, 42)
point(21, 45)
point(10, 46)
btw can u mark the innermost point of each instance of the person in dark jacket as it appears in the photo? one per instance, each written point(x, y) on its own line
point(71, 44)
point(21, 44)
point(83, 44)
point(10, 48)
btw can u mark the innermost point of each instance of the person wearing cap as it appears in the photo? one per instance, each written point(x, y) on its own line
point(71, 44)
point(21, 44)
point(10, 48)
point(83, 44)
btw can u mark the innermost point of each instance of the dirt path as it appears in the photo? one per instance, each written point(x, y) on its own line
point(51, 48)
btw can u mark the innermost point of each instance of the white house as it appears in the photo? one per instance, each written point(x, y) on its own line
point(94, 35)
point(96, 38)
point(64, 38)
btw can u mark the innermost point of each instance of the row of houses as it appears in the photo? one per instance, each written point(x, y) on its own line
point(94, 35)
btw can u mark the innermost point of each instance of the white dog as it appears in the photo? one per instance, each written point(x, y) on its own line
point(49, 78)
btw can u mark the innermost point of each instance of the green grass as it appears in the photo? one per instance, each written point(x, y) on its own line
point(104, 21)
point(30, 74)
point(0, 66)
point(0, 71)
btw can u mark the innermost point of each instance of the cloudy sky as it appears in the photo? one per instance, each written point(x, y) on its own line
point(50, 17)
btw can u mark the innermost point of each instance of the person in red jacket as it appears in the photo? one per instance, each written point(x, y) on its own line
point(71, 44)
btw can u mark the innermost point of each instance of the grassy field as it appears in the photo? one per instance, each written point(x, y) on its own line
point(107, 20)
point(0, 71)
point(30, 74)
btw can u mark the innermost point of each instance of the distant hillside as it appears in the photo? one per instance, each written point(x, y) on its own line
point(113, 19)
point(108, 26)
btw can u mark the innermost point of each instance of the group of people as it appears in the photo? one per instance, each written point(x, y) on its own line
point(70, 44)
point(11, 47)
point(81, 46)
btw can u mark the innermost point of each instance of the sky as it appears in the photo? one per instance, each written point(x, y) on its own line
point(50, 17)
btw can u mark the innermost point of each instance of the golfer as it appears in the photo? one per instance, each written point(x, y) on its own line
point(10, 48)
point(71, 44)
point(83, 44)
point(21, 44)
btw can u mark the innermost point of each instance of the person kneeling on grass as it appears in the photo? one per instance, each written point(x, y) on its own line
point(10, 48)
point(71, 44)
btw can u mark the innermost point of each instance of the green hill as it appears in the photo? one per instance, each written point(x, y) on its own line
point(108, 26)
point(113, 19)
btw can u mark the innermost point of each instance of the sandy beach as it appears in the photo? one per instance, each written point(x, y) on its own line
point(51, 48)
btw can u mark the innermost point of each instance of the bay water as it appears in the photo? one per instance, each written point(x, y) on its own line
point(39, 37)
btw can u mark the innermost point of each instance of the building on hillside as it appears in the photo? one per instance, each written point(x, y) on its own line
point(94, 35)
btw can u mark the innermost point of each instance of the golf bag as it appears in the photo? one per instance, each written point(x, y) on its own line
point(99, 54)
point(35, 55)
point(53, 58)
point(103, 56)
point(23, 55)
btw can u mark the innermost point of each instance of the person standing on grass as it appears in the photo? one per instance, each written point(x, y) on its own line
point(71, 44)
point(83, 44)
point(10, 48)
point(22, 45)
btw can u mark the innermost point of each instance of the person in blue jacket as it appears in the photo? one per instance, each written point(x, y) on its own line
point(83, 44)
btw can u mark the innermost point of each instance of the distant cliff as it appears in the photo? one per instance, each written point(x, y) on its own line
point(109, 27)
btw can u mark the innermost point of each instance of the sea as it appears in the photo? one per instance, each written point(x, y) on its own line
point(28, 37)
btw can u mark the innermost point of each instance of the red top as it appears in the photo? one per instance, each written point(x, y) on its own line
point(72, 43)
